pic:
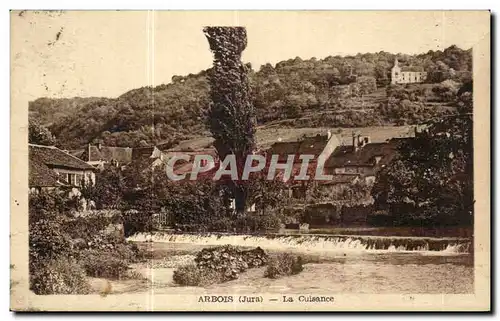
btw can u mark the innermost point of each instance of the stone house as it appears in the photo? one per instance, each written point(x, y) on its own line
point(406, 75)
point(362, 158)
point(98, 155)
point(50, 168)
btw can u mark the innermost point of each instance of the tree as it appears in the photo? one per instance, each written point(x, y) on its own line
point(108, 189)
point(431, 181)
point(231, 117)
point(367, 85)
point(38, 134)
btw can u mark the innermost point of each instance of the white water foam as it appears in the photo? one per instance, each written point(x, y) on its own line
point(316, 243)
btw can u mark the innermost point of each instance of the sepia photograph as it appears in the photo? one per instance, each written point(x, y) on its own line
point(250, 160)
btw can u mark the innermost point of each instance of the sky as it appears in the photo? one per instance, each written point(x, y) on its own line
point(107, 53)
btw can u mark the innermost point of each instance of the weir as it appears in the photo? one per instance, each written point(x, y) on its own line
point(316, 242)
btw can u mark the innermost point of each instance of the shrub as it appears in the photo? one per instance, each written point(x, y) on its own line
point(135, 221)
point(104, 264)
point(47, 240)
point(219, 264)
point(282, 265)
point(58, 277)
point(192, 275)
point(86, 227)
point(254, 222)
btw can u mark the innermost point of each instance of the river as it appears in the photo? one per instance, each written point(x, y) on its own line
point(336, 263)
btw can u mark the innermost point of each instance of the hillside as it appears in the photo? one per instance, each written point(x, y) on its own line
point(267, 135)
point(333, 92)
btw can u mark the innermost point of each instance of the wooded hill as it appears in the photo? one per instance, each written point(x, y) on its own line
point(350, 91)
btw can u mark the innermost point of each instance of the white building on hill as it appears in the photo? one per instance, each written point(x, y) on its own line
point(404, 75)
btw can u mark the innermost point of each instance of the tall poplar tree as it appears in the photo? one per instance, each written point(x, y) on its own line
point(231, 117)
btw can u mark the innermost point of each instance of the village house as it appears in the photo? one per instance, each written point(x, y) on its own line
point(50, 168)
point(159, 160)
point(362, 158)
point(319, 146)
point(406, 75)
point(98, 155)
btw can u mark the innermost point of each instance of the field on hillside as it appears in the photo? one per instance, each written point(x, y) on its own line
point(267, 135)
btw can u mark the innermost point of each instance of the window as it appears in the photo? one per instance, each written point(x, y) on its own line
point(78, 179)
point(71, 179)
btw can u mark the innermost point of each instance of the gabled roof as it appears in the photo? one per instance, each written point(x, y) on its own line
point(108, 154)
point(52, 156)
point(78, 153)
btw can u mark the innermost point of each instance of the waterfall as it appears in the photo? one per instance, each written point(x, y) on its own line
point(316, 242)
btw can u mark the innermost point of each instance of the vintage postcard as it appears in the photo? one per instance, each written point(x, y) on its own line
point(250, 161)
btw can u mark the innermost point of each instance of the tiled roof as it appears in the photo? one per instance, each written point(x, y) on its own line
point(41, 161)
point(54, 157)
point(108, 154)
point(41, 176)
point(364, 156)
point(78, 153)
point(307, 146)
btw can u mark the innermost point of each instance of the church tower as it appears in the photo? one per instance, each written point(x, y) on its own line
point(395, 72)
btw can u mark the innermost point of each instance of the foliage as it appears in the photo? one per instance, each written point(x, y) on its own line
point(47, 238)
point(258, 222)
point(352, 194)
point(367, 85)
point(59, 276)
point(431, 182)
point(219, 264)
point(87, 227)
point(38, 134)
point(291, 88)
point(104, 264)
point(136, 221)
point(107, 190)
point(192, 275)
point(231, 117)
point(63, 248)
point(48, 241)
point(201, 205)
point(283, 264)
point(447, 90)
point(415, 104)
